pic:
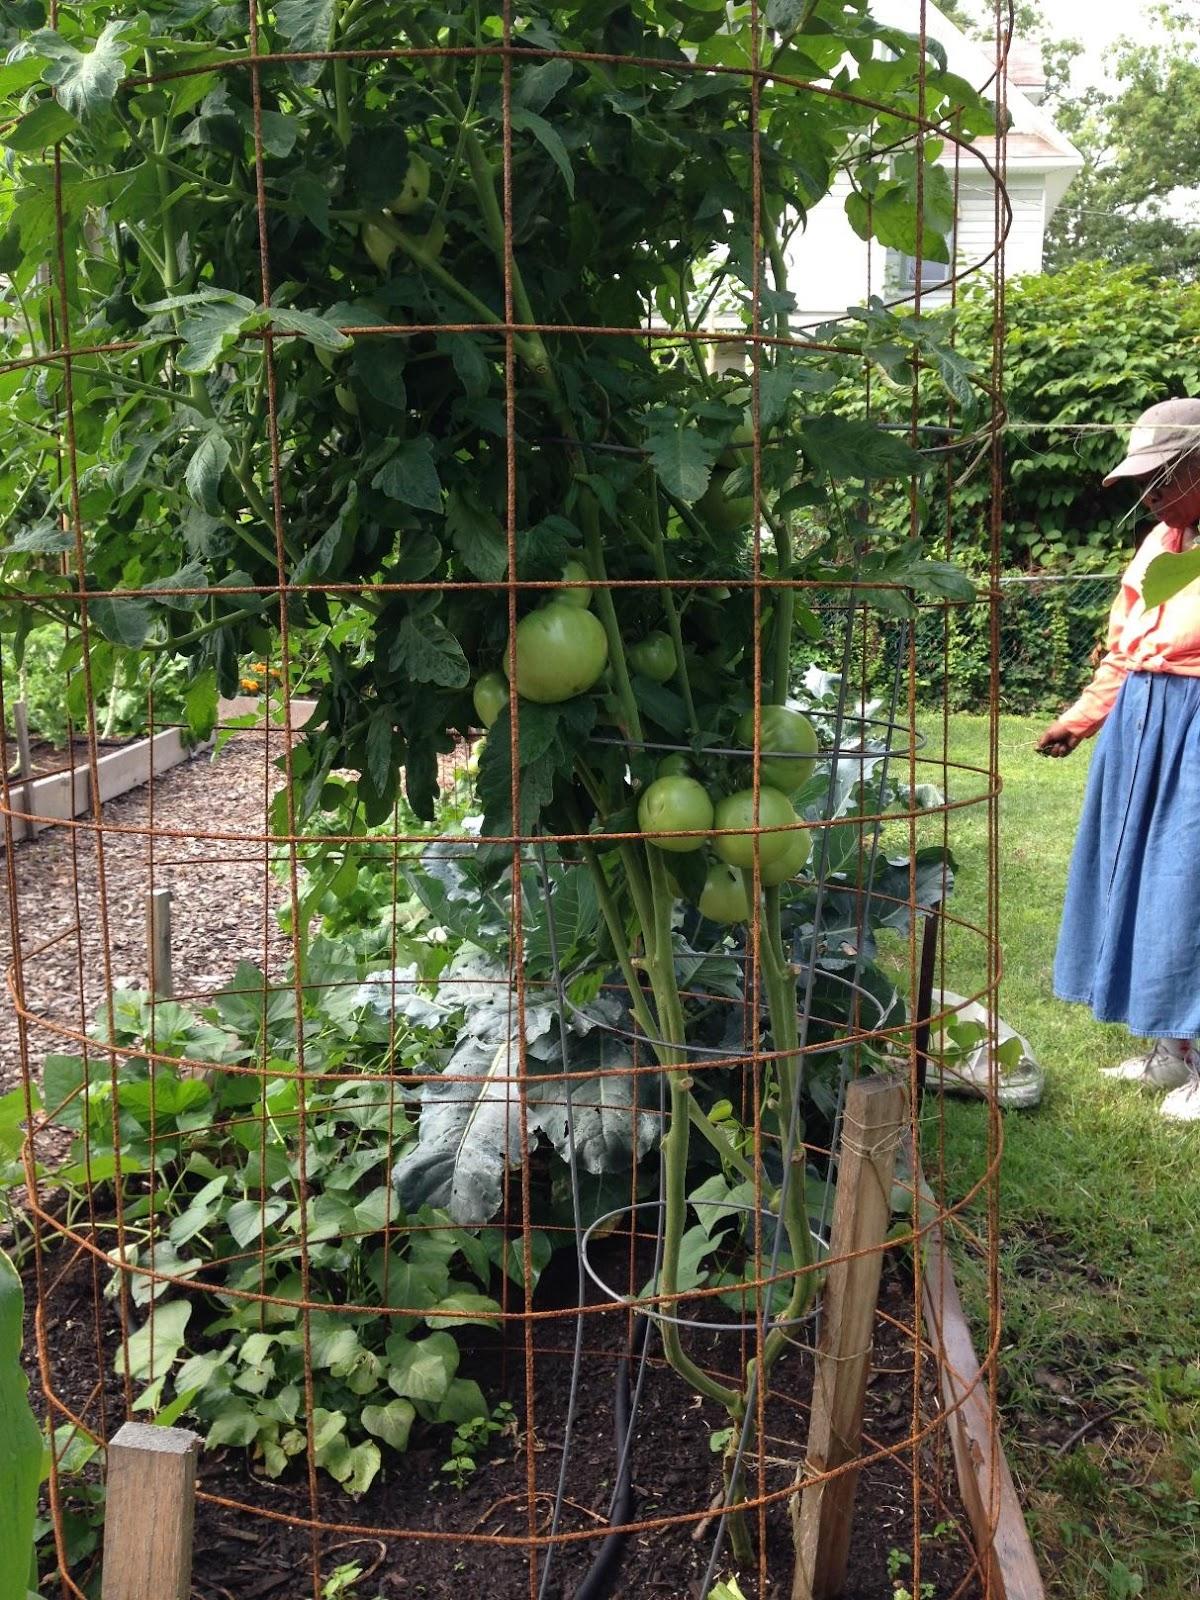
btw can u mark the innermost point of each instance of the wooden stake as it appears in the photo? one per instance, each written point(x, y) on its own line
point(158, 942)
point(823, 1513)
point(149, 1513)
point(23, 829)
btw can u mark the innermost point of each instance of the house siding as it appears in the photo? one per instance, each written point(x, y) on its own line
point(831, 268)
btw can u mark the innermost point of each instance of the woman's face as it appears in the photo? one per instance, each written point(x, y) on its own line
point(1172, 495)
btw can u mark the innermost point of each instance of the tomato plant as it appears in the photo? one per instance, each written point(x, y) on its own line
point(494, 422)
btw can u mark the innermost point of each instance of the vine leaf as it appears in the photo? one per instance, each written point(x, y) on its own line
point(1168, 573)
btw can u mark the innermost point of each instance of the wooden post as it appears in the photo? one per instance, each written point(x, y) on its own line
point(158, 942)
point(149, 1513)
point(24, 828)
point(823, 1513)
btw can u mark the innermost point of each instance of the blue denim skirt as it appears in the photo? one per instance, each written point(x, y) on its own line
point(1129, 944)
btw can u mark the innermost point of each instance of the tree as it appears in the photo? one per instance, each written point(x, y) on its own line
point(1135, 201)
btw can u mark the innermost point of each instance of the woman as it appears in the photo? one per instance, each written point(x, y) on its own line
point(1129, 945)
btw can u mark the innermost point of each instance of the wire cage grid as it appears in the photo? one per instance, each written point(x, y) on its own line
point(289, 846)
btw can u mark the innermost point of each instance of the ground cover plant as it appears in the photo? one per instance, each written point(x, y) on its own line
point(492, 500)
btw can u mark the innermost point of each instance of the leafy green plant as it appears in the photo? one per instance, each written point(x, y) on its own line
point(471, 1438)
point(224, 1211)
point(21, 1446)
point(499, 241)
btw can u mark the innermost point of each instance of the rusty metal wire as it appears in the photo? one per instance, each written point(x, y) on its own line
point(83, 1269)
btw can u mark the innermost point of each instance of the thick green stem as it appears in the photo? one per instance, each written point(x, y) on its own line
point(593, 544)
point(661, 967)
point(659, 553)
point(740, 1546)
point(785, 614)
point(779, 984)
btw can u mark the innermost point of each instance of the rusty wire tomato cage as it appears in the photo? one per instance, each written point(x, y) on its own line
point(541, 1530)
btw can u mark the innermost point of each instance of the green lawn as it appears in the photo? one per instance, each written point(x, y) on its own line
point(1100, 1258)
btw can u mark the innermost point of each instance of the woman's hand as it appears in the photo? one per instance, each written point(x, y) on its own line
point(1057, 740)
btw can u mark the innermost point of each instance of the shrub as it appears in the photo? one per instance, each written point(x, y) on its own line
point(1093, 347)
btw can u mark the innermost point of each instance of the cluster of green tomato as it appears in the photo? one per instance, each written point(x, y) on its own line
point(562, 650)
point(378, 238)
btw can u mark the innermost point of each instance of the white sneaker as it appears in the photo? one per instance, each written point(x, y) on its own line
point(1183, 1104)
point(1164, 1066)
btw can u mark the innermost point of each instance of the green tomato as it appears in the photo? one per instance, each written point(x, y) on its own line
point(675, 805)
point(414, 191)
point(723, 513)
point(490, 697)
point(561, 652)
point(327, 358)
point(739, 452)
point(346, 398)
point(724, 897)
point(653, 657)
point(788, 735)
point(380, 246)
point(574, 572)
point(676, 765)
point(793, 860)
point(737, 811)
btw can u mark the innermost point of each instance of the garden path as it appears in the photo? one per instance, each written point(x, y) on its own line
point(224, 896)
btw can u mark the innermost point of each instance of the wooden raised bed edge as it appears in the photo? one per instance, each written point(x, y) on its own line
point(147, 1540)
point(985, 1482)
point(38, 803)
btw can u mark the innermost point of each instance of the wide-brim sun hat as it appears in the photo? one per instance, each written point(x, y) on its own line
point(1160, 435)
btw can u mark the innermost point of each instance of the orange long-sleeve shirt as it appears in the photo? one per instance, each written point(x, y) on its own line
point(1162, 638)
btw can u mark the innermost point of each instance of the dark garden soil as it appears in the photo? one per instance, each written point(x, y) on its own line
point(223, 895)
point(46, 758)
point(243, 1556)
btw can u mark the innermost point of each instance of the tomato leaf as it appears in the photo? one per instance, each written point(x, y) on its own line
point(549, 739)
point(536, 86)
point(550, 140)
point(379, 748)
point(411, 475)
point(321, 333)
point(208, 333)
point(46, 124)
point(424, 650)
point(847, 449)
point(306, 25)
point(202, 478)
point(477, 536)
point(126, 622)
point(681, 455)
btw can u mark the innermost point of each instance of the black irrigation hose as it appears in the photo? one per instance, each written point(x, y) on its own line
point(600, 1580)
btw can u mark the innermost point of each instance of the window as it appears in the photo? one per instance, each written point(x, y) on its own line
point(933, 274)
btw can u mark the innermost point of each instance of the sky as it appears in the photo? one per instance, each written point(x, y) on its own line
point(1096, 24)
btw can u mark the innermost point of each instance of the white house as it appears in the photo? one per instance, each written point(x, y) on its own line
point(831, 268)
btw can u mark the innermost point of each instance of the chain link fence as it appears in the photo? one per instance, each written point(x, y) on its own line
point(1052, 630)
